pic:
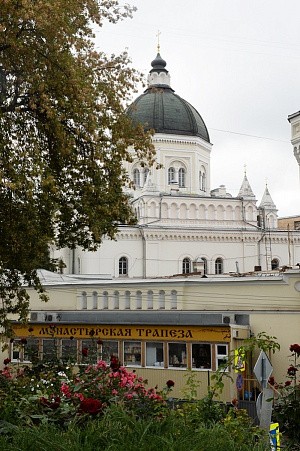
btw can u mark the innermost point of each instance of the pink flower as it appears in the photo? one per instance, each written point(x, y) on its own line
point(65, 389)
point(79, 396)
point(114, 392)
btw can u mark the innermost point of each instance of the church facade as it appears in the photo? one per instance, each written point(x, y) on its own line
point(183, 225)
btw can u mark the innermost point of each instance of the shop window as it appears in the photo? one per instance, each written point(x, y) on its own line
point(25, 350)
point(177, 355)
point(69, 350)
point(105, 300)
point(123, 266)
point(138, 300)
point(155, 354)
point(127, 300)
point(173, 299)
point(181, 178)
point(150, 299)
point(50, 350)
point(221, 354)
point(89, 351)
point(161, 299)
point(201, 355)
point(171, 176)
point(186, 265)
point(219, 266)
point(109, 349)
point(275, 263)
point(95, 300)
point(132, 353)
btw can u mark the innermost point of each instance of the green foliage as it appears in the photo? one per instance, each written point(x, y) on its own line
point(287, 401)
point(64, 135)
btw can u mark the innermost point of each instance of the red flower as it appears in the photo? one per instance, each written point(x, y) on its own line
point(271, 380)
point(295, 348)
point(23, 341)
point(114, 363)
point(53, 402)
point(85, 352)
point(170, 383)
point(30, 329)
point(6, 361)
point(287, 383)
point(91, 406)
point(292, 370)
point(99, 342)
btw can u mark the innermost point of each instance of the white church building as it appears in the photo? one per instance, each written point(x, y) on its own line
point(183, 224)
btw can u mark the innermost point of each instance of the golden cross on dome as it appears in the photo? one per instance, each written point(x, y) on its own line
point(158, 45)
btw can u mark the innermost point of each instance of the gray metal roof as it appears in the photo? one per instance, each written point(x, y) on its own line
point(159, 108)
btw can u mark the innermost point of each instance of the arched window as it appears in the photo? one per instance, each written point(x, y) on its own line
point(116, 300)
point(186, 265)
point(203, 182)
point(181, 178)
point(127, 300)
point(150, 299)
point(161, 299)
point(83, 300)
point(95, 300)
point(173, 299)
point(205, 264)
point(219, 266)
point(123, 266)
point(105, 300)
point(136, 178)
point(200, 180)
point(138, 300)
point(146, 172)
point(275, 263)
point(171, 176)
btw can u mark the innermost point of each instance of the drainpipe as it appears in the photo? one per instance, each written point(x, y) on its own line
point(144, 252)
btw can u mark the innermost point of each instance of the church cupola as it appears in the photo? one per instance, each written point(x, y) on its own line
point(268, 210)
point(158, 75)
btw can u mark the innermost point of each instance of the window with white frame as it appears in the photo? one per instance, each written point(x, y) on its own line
point(136, 178)
point(154, 354)
point(68, 351)
point(132, 353)
point(201, 355)
point(204, 264)
point(221, 354)
point(173, 299)
point(219, 266)
point(171, 176)
point(24, 350)
point(95, 300)
point(123, 266)
point(186, 265)
point(181, 178)
point(177, 355)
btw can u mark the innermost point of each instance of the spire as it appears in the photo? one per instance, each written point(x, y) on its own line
point(158, 75)
point(267, 201)
point(245, 190)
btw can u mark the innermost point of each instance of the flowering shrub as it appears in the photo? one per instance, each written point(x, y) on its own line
point(60, 394)
point(287, 399)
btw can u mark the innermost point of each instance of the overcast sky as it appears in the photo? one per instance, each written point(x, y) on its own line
point(238, 63)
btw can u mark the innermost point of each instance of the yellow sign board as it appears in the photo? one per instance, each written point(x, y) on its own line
point(128, 332)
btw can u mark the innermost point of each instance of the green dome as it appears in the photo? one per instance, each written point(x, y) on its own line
point(159, 108)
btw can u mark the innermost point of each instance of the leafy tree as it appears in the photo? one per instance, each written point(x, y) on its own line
point(63, 137)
